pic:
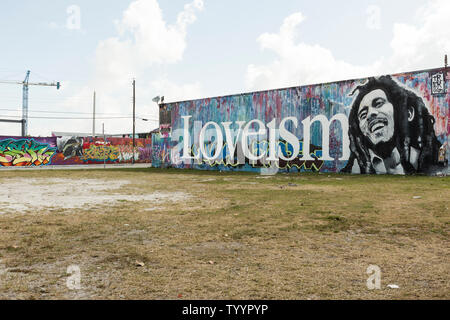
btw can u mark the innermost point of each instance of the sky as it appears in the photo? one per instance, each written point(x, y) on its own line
point(189, 49)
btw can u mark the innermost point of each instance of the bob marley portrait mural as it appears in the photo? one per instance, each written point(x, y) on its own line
point(391, 130)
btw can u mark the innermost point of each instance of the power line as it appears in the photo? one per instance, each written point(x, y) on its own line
point(66, 112)
point(73, 112)
point(76, 118)
point(48, 99)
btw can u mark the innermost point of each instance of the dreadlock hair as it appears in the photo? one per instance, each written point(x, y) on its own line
point(418, 133)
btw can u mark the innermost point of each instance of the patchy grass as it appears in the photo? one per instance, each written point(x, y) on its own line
point(237, 236)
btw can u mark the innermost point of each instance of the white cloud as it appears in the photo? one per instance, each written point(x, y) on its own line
point(298, 63)
point(144, 40)
point(414, 46)
point(177, 92)
point(422, 45)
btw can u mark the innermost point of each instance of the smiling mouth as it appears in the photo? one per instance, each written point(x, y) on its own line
point(377, 124)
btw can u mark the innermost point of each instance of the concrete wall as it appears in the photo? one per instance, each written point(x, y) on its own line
point(395, 124)
point(41, 151)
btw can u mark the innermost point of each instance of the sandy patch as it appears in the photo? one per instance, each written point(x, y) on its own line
point(38, 193)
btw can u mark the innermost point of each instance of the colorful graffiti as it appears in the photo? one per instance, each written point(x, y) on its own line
point(91, 150)
point(70, 147)
point(101, 151)
point(25, 153)
point(393, 124)
point(262, 147)
point(161, 150)
point(141, 153)
point(19, 151)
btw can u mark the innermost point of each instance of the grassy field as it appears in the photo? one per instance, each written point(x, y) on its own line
point(224, 235)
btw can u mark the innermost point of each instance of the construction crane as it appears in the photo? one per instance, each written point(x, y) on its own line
point(25, 84)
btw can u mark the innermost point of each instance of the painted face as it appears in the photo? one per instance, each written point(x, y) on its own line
point(376, 117)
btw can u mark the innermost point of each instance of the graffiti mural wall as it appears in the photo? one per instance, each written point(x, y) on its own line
point(37, 151)
point(160, 150)
point(26, 152)
point(73, 150)
point(393, 124)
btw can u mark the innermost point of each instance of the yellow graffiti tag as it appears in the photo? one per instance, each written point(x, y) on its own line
point(100, 153)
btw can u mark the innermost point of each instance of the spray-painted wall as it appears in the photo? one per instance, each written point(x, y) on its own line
point(160, 150)
point(38, 151)
point(25, 152)
point(394, 124)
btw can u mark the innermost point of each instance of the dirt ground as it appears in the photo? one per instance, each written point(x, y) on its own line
point(171, 234)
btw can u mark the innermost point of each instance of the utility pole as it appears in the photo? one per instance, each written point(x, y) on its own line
point(134, 115)
point(25, 105)
point(104, 146)
point(93, 118)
